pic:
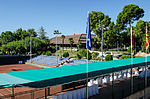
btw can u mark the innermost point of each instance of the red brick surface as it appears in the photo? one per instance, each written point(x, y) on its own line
point(16, 67)
point(23, 92)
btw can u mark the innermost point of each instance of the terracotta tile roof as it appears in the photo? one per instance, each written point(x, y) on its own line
point(76, 39)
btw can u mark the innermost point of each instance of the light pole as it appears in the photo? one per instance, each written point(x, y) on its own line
point(101, 27)
point(30, 48)
point(56, 32)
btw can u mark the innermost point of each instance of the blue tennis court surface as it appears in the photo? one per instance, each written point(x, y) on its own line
point(52, 60)
point(47, 60)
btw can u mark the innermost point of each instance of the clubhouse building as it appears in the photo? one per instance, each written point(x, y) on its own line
point(77, 38)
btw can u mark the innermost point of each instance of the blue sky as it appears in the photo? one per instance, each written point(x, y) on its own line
point(68, 16)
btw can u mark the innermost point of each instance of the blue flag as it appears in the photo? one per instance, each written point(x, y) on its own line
point(88, 37)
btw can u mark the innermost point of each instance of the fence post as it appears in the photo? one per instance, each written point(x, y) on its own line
point(45, 93)
point(32, 94)
point(48, 91)
point(113, 85)
point(13, 93)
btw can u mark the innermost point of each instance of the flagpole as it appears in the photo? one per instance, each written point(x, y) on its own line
point(89, 47)
point(146, 65)
point(87, 77)
point(87, 30)
point(131, 59)
point(145, 76)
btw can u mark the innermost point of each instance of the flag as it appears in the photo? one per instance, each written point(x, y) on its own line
point(147, 41)
point(88, 37)
point(132, 40)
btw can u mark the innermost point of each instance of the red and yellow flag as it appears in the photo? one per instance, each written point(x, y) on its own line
point(147, 41)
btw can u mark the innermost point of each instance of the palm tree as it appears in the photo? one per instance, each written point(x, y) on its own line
point(71, 42)
point(79, 45)
point(63, 37)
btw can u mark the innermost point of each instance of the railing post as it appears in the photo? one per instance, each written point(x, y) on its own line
point(113, 85)
point(45, 93)
point(32, 94)
point(48, 91)
point(13, 93)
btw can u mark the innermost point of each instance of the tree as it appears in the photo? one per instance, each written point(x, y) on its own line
point(63, 38)
point(6, 37)
point(95, 16)
point(98, 22)
point(21, 34)
point(98, 19)
point(71, 42)
point(140, 32)
point(109, 39)
point(129, 14)
point(96, 43)
point(42, 33)
point(23, 46)
point(79, 45)
point(124, 38)
point(31, 32)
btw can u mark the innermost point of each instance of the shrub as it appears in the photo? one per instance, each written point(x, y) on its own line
point(65, 54)
point(43, 53)
point(53, 54)
point(78, 56)
point(94, 55)
point(1, 53)
point(48, 53)
point(125, 56)
point(108, 57)
point(83, 53)
point(39, 52)
point(129, 49)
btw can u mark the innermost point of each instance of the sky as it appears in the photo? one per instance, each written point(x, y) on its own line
point(68, 16)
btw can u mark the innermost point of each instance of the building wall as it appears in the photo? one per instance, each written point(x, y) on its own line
point(140, 94)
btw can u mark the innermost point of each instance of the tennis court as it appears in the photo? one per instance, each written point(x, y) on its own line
point(23, 92)
point(42, 78)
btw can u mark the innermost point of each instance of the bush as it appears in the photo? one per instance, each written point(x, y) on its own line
point(65, 54)
point(125, 56)
point(53, 54)
point(83, 54)
point(48, 53)
point(39, 52)
point(129, 49)
point(43, 53)
point(1, 53)
point(94, 55)
point(78, 56)
point(108, 57)
point(143, 48)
